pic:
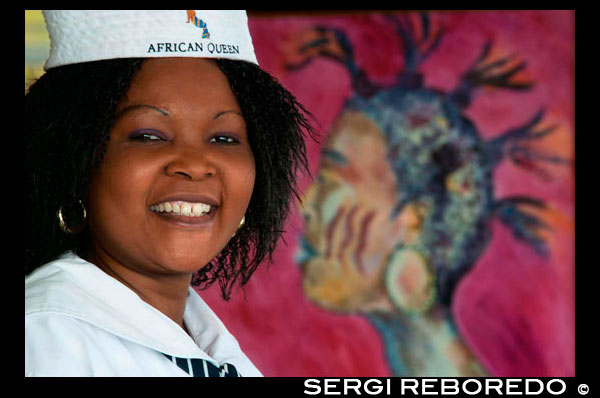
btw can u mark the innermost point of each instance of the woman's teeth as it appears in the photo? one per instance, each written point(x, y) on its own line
point(182, 208)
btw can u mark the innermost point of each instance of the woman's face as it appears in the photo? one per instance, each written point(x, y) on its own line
point(179, 144)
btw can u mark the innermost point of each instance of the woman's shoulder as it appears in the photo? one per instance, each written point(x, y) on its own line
point(52, 285)
point(53, 269)
point(55, 346)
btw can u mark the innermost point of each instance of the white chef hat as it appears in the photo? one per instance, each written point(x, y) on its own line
point(91, 35)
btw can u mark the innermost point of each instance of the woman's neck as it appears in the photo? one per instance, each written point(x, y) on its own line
point(167, 293)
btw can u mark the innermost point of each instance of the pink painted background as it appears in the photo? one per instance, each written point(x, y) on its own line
point(511, 294)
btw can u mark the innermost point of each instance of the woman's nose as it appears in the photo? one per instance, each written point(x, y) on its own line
point(191, 163)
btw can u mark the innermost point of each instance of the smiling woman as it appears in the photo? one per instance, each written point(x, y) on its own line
point(167, 154)
point(150, 176)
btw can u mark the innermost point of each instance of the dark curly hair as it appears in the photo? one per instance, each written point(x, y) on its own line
point(69, 112)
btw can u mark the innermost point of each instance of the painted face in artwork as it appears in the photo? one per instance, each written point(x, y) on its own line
point(351, 228)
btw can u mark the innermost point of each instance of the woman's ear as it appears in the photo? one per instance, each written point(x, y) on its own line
point(409, 279)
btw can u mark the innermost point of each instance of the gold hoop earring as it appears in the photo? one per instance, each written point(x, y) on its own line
point(69, 229)
point(239, 226)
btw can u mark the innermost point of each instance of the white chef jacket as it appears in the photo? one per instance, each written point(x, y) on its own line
point(79, 321)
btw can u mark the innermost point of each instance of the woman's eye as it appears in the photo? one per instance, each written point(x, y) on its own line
point(146, 137)
point(223, 139)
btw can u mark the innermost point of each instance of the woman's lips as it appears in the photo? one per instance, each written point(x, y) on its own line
point(186, 210)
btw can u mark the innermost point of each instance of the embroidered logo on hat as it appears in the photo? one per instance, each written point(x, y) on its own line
point(191, 14)
point(191, 17)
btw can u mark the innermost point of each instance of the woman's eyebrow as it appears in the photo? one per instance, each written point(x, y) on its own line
point(135, 107)
point(228, 111)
